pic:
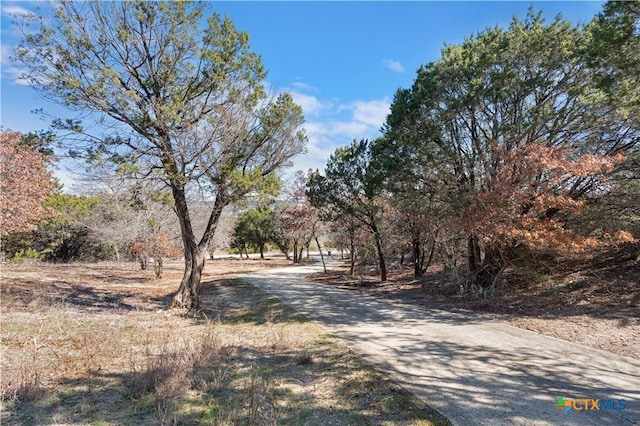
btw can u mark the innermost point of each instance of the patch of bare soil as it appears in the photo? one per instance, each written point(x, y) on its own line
point(589, 298)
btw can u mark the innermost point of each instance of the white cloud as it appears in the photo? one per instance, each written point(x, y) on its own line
point(360, 120)
point(311, 105)
point(373, 113)
point(304, 86)
point(363, 121)
point(331, 123)
point(393, 65)
point(5, 53)
point(14, 10)
point(14, 74)
point(10, 70)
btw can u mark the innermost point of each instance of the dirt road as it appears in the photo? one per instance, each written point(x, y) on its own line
point(472, 370)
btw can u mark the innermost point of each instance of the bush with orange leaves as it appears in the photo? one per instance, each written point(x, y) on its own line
point(157, 245)
point(25, 183)
point(527, 196)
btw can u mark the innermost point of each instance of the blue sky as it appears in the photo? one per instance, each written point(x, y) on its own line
point(342, 61)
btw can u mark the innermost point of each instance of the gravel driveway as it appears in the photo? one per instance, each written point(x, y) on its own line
point(472, 370)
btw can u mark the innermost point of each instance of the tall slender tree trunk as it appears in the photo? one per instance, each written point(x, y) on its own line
point(352, 247)
point(381, 262)
point(296, 259)
point(324, 266)
point(432, 251)
point(417, 246)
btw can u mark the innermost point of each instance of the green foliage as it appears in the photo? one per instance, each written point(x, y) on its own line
point(255, 229)
point(28, 254)
point(41, 141)
point(486, 114)
point(350, 184)
point(65, 237)
point(614, 53)
point(178, 102)
point(72, 208)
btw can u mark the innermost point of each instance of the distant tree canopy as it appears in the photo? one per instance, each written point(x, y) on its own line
point(25, 183)
point(299, 218)
point(255, 229)
point(179, 98)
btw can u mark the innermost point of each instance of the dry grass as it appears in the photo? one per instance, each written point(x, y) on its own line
point(92, 344)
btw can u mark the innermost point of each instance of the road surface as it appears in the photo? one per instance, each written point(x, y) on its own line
point(474, 371)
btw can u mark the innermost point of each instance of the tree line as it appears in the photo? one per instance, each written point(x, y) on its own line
point(518, 139)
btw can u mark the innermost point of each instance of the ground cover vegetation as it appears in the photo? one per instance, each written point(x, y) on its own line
point(508, 175)
point(93, 344)
point(519, 141)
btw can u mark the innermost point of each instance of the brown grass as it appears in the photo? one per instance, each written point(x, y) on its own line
point(93, 344)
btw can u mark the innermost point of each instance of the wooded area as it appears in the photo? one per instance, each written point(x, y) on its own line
point(518, 142)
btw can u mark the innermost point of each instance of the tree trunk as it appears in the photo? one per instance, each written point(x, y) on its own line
point(158, 266)
point(432, 251)
point(352, 249)
point(383, 266)
point(484, 272)
point(473, 254)
point(143, 262)
point(324, 267)
point(474, 261)
point(116, 252)
point(188, 294)
point(417, 267)
point(295, 251)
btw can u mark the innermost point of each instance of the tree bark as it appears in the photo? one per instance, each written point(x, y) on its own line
point(432, 251)
point(324, 266)
point(352, 247)
point(143, 262)
point(484, 271)
point(417, 267)
point(296, 259)
point(187, 295)
point(381, 262)
point(159, 269)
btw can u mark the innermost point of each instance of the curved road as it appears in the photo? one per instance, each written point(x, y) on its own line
point(474, 371)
